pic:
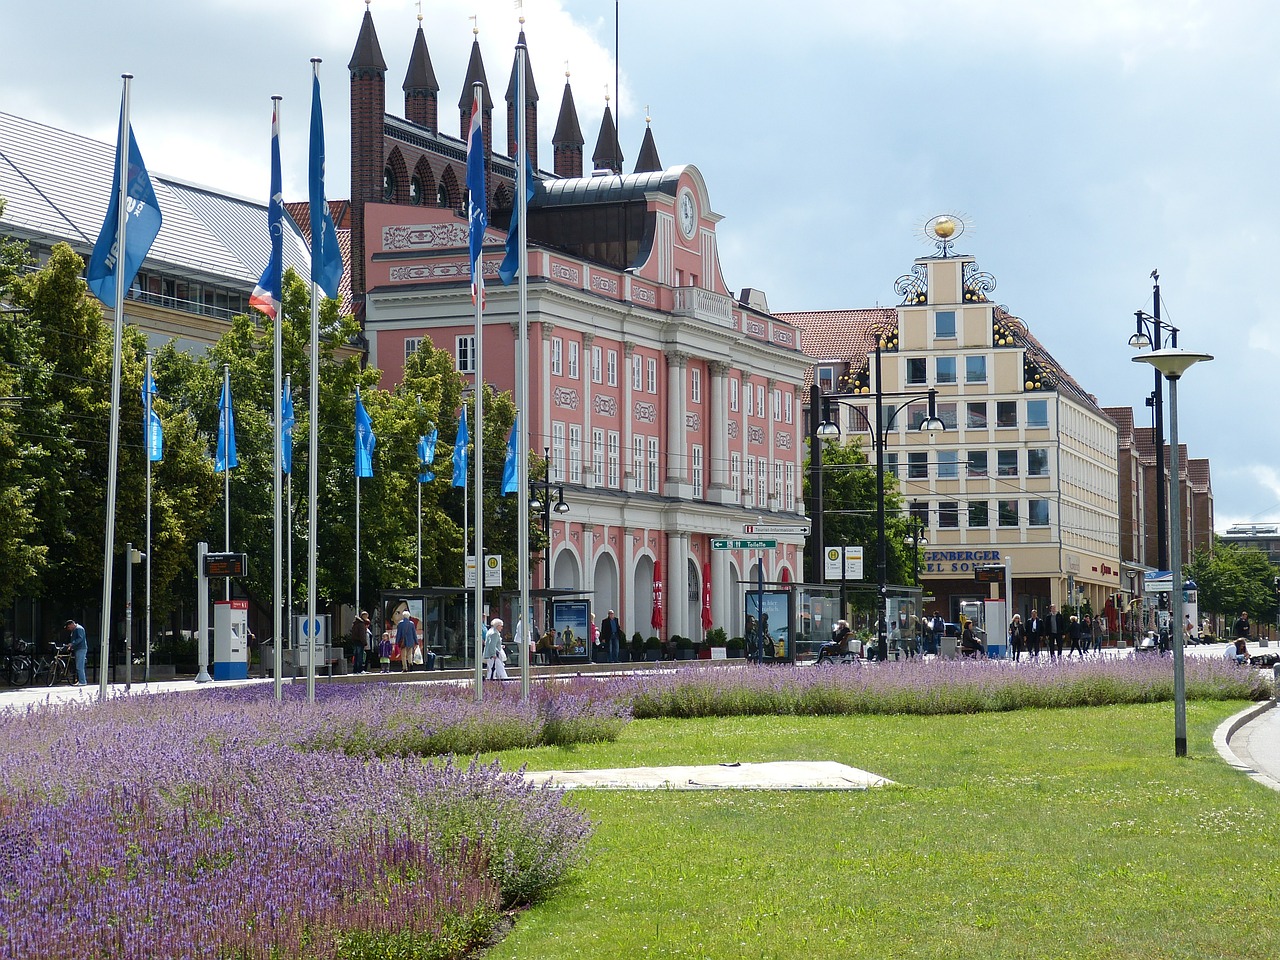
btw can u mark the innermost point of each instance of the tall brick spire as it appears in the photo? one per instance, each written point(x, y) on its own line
point(475, 71)
point(530, 106)
point(368, 106)
point(608, 152)
point(567, 140)
point(421, 103)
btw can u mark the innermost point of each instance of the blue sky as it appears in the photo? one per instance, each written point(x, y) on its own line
point(1085, 144)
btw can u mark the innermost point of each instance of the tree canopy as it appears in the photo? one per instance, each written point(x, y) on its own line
point(1232, 578)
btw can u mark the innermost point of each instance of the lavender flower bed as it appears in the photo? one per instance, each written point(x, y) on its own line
point(221, 824)
point(931, 687)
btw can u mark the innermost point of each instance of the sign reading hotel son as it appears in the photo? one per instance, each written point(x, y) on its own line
point(957, 561)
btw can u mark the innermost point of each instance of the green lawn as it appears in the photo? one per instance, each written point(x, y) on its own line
point(1065, 833)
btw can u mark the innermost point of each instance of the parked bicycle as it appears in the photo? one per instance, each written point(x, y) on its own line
point(18, 663)
point(62, 667)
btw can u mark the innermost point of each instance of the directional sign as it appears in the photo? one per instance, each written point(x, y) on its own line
point(777, 529)
point(743, 544)
point(226, 564)
point(852, 563)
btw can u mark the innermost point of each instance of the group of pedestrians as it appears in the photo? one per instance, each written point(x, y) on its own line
point(399, 642)
point(1048, 633)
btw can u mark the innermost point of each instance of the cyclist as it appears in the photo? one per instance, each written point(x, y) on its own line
point(80, 647)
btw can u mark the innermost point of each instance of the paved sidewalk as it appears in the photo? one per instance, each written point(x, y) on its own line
point(1250, 742)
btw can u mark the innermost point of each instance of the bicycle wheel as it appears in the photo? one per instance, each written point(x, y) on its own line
point(20, 670)
point(54, 672)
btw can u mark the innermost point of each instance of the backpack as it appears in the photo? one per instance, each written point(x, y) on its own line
point(359, 633)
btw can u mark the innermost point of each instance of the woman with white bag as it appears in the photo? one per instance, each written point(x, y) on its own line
point(495, 658)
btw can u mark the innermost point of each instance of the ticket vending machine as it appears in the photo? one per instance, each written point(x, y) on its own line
point(230, 639)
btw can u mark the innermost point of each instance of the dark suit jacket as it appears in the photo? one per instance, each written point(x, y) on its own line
point(1036, 629)
point(1055, 624)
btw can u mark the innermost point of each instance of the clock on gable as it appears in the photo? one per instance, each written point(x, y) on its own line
point(688, 214)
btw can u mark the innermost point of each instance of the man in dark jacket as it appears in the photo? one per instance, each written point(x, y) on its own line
point(610, 636)
point(1035, 632)
point(1055, 626)
point(360, 640)
point(79, 644)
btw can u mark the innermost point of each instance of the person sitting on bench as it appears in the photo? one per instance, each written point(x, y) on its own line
point(838, 646)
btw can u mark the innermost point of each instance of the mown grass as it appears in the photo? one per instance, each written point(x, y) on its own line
point(1038, 833)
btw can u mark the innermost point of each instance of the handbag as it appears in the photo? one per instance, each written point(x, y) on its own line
point(502, 654)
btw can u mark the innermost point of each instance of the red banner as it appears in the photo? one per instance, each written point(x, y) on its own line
point(706, 596)
point(656, 620)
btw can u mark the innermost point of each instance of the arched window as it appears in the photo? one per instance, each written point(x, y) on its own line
point(388, 184)
point(415, 191)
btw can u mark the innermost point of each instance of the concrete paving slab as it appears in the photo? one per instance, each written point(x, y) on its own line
point(781, 775)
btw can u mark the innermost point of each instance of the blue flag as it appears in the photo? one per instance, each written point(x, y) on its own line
point(427, 456)
point(266, 295)
point(326, 258)
point(460, 451)
point(365, 440)
point(510, 466)
point(510, 265)
point(225, 457)
point(142, 224)
point(286, 430)
point(151, 422)
point(477, 199)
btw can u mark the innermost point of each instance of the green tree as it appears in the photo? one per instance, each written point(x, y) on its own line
point(849, 514)
point(1232, 578)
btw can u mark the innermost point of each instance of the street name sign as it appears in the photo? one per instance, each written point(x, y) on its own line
point(743, 544)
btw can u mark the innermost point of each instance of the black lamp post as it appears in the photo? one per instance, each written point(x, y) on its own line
point(540, 502)
point(880, 429)
point(1154, 334)
point(916, 539)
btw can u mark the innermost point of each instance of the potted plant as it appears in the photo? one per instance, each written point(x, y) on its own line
point(684, 648)
point(734, 648)
point(637, 647)
point(704, 649)
point(716, 639)
point(653, 649)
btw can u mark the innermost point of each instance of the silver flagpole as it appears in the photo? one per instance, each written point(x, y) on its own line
point(478, 432)
point(288, 589)
point(113, 446)
point(313, 483)
point(146, 663)
point(357, 539)
point(522, 402)
point(277, 595)
point(226, 469)
point(466, 528)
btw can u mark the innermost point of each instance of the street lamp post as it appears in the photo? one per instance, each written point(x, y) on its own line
point(1172, 364)
point(1155, 334)
point(540, 493)
point(931, 424)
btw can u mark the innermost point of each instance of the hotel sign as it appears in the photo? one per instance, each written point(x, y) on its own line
point(958, 561)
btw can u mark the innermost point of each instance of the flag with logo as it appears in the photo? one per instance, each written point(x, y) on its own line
point(286, 430)
point(326, 258)
point(427, 456)
point(142, 224)
point(225, 458)
point(266, 295)
point(477, 203)
point(460, 451)
point(510, 265)
point(511, 466)
point(365, 440)
point(151, 422)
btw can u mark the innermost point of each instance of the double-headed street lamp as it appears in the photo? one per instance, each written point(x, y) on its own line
point(826, 430)
point(1172, 364)
point(1154, 334)
point(540, 502)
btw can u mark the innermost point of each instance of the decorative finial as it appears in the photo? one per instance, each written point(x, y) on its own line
point(366, 6)
point(566, 69)
point(647, 118)
point(606, 94)
point(419, 10)
point(520, 7)
point(475, 25)
point(944, 230)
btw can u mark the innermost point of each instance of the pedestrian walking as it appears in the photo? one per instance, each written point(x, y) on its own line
point(1035, 634)
point(1076, 635)
point(1017, 636)
point(611, 636)
point(495, 658)
point(360, 640)
point(1055, 627)
point(406, 640)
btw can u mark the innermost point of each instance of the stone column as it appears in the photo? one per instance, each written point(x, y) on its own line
point(677, 584)
point(628, 417)
point(718, 432)
point(585, 368)
point(721, 591)
point(677, 473)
